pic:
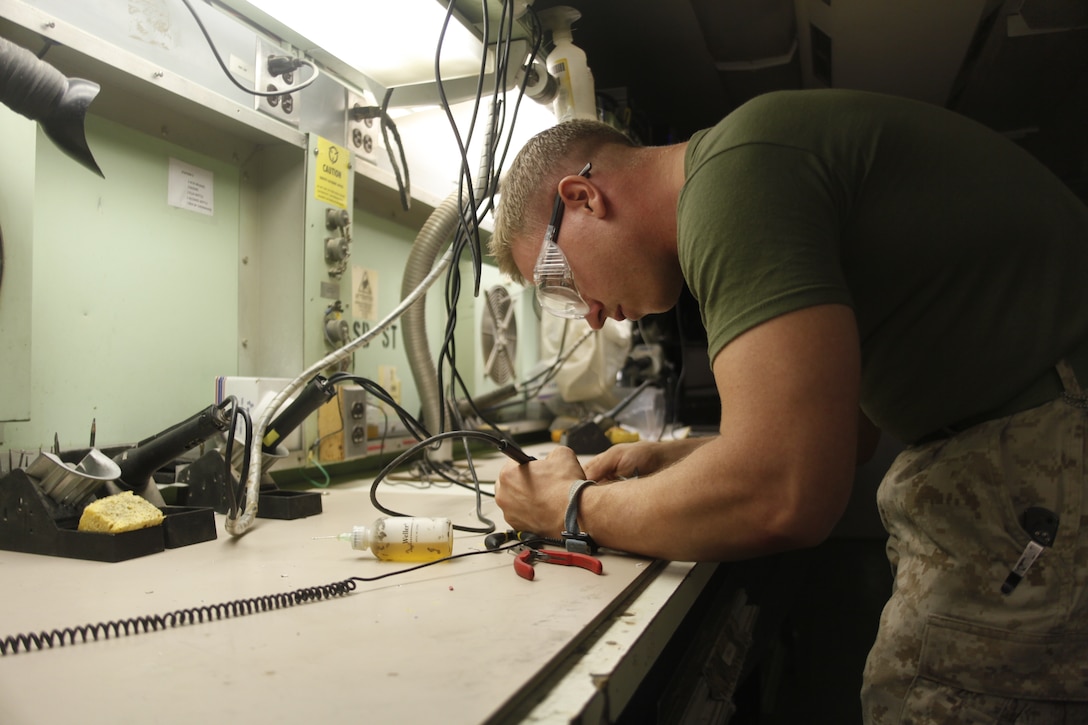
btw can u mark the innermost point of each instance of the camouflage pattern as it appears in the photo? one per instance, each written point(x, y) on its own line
point(951, 647)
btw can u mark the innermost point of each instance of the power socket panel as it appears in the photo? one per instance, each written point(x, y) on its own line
point(364, 136)
point(353, 409)
point(284, 107)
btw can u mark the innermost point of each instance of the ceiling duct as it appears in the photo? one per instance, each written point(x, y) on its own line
point(1028, 79)
point(1054, 15)
point(753, 44)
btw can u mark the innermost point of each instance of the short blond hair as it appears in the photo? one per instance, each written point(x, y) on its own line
point(528, 187)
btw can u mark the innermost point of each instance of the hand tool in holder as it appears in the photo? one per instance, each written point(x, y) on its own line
point(207, 478)
point(142, 460)
point(588, 436)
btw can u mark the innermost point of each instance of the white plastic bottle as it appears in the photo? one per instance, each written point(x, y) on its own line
point(576, 96)
point(404, 538)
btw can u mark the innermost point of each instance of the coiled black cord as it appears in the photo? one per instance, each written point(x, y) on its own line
point(237, 608)
point(197, 615)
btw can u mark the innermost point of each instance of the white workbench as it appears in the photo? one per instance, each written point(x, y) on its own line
point(464, 641)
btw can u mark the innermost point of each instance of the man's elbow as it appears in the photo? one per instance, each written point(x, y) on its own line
point(793, 536)
point(804, 523)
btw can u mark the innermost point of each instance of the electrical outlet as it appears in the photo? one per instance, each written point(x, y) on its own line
point(353, 410)
point(285, 107)
point(364, 135)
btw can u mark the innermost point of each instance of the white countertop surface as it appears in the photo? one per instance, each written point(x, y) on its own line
point(463, 641)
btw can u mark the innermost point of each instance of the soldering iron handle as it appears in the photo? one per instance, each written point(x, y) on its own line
point(142, 460)
point(316, 393)
point(514, 453)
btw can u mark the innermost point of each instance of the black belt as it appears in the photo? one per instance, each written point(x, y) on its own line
point(1044, 389)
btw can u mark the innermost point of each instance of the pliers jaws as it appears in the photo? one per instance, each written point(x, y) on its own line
point(523, 562)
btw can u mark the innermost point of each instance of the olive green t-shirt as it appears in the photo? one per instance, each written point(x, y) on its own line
point(963, 258)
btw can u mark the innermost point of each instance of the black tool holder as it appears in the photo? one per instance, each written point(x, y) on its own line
point(207, 481)
point(31, 522)
point(588, 436)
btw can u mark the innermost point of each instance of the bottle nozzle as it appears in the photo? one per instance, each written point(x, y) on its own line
point(355, 537)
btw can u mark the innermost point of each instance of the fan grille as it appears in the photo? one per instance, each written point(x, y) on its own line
point(499, 335)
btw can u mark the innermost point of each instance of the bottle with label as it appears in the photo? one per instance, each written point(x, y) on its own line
point(404, 538)
point(576, 96)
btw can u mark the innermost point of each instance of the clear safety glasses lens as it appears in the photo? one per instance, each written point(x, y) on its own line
point(554, 281)
point(555, 288)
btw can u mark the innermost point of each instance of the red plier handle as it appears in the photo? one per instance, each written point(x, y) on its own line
point(523, 562)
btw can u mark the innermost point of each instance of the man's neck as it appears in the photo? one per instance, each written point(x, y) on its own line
point(660, 170)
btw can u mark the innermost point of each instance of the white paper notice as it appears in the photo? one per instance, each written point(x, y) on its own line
point(191, 188)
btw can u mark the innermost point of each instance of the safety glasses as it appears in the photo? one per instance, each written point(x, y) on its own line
point(555, 289)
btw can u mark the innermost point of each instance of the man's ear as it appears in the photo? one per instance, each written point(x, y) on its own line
point(581, 195)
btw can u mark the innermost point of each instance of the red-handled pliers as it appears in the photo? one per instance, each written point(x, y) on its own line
point(523, 562)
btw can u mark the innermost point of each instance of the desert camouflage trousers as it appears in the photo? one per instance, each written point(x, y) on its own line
point(952, 648)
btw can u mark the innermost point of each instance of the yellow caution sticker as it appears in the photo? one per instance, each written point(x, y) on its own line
point(331, 177)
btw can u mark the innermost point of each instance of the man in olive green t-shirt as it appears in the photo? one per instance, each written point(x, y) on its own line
point(862, 263)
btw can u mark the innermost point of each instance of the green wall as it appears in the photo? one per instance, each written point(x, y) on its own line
point(134, 301)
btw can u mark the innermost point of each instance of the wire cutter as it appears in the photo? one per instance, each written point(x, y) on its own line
point(523, 562)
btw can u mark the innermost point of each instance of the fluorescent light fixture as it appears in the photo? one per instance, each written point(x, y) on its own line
point(391, 41)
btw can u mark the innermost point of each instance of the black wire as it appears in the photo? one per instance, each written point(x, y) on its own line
point(416, 428)
point(417, 567)
point(13, 644)
point(403, 186)
point(425, 441)
point(473, 212)
point(236, 490)
point(230, 75)
point(497, 441)
point(462, 146)
point(465, 231)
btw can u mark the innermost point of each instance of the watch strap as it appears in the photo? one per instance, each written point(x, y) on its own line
point(574, 539)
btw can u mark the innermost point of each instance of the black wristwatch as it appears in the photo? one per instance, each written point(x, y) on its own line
point(573, 539)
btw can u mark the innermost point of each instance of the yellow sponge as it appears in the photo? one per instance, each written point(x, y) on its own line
point(119, 513)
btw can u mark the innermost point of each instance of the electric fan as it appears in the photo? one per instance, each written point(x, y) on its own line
point(499, 336)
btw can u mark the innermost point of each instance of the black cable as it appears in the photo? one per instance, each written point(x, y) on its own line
point(403, 186)
point(388, 125)
point(236, 491)
point(467, 233)
point(414, 426)
point(462, 555)
point(294, 62)
point(497, 441)
point(177, 618)
point(473, 212)
point(462, 146)
point(13, 644)
point(385, 429)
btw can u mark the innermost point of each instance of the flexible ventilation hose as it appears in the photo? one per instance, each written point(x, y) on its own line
point(440, 226)
point(40, 92)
